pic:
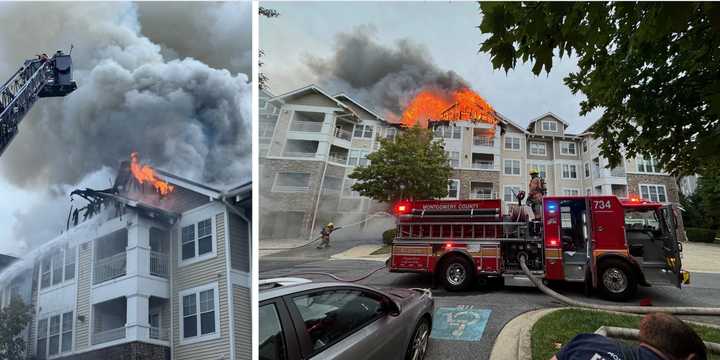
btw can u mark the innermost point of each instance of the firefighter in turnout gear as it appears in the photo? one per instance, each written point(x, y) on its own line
point(325, 235)
point(536, 190)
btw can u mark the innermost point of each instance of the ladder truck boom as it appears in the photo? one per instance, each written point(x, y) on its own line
point(37, 78)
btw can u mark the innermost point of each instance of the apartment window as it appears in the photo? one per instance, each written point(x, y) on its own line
point(571, 192)
point(647, 164)
point(358, 158)
point(587, 170)
point(390, 133)
point(291, 182)
point(512, 167)
point(363, 131)
point(567, 148)
point(653, 192)
point(569, 171)
point(549, 125)
point(67, 332)
point(453, 158)
point(453, 189)
point(197, 239)
point(45, 265)
point(41, 349)
point(512, 143)
point(57, 268)
point(69, 263)
point(509, 193)
point(199, 312)
point(584, 145)
point(55, 335)
point(541, 168)
point(537, 148)
point(447, 131)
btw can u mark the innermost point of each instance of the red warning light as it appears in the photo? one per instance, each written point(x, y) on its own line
point(402, 208)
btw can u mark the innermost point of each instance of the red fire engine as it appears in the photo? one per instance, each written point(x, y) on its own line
point(610, 244)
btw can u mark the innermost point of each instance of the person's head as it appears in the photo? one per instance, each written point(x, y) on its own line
point(331, 225)
point(533, 172)
point(672, 337)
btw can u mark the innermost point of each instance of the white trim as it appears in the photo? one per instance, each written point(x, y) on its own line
point(586, 166)
point(377, 117)
point(47, 316)
point(457, 181)
point(196, 291)
point(571, 189)
point(667, 197)
point(228, 284)
point(509, 186)
point(512, 167)
point(519, 140)
point(562, 171)
point(553, 122)
point(544, 147)
point(194, 221)
point(574, 153)
point(549, 113)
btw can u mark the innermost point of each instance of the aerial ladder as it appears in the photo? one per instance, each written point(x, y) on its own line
point(37, 78)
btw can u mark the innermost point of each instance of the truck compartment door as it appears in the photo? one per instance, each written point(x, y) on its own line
point(671, 245)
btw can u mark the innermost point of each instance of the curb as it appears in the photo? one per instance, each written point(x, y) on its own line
point(515, 340)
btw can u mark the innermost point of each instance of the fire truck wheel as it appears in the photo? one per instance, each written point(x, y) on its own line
point(457, 273)
point(617, 280)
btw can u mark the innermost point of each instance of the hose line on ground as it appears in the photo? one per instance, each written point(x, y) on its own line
point(678, 310)
point(381, 213)
point(335, 276)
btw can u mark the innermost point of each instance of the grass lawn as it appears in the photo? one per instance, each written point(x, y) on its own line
point(383, 250)
point(557, 328)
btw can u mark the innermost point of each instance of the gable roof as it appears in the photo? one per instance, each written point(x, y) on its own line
point(348, 98)
point(311, 88)
point(550, 114)
point(505, 119)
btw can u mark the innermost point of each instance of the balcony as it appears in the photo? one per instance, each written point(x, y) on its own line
point(338, 158)
point(483, 195)
point(306, 126)
point(110, 268)
point(341, 133)
point(483, 165)
point(109, 319)
point(158, 333)
point(108, 335)
point(158, 264)
point(483, 141)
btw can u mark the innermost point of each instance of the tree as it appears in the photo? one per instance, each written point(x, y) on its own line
point(262, 78)
point(13, 319)
point(413, 166)
point(653, 67)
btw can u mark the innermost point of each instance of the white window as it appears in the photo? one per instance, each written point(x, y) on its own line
point(199, 308)
point(549, 125)
point(571, 192)
point(358, 158)
point(653, 192)
point(57, 267)
point(363, 131)
point(197, 239)
point(447, 131)
point(541, 168)
point(648, 164)
point(347, 189)
point(69, 263)
point(509, 192)
point(453, 158)
point(569, 171)
point(512, 167)
point(453, 189)
point(291, 182)
point(512, 143)
point(587, 170)
point(390, 133)
point(538, 148)
point(55, 335)
point(568, 148)
point(584, 145)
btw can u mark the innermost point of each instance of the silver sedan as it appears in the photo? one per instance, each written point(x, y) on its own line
point(300, 319)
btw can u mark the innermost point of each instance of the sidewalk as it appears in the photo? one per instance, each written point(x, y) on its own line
point(514, 340)
point(362, 252)
point(701, 257)
point(276, 246)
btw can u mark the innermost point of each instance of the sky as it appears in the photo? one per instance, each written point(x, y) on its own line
point(447, 30)
point(170, 80)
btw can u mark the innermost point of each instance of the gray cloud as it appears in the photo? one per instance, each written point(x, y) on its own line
point(386, 77)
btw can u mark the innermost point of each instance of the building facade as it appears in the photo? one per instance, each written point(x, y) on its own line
point(311, 141)
point(138, 274)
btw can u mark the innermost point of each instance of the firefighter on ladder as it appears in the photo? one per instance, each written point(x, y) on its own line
point(536, 190)
point(325, 235)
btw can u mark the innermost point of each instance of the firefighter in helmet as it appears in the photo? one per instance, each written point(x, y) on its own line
point(325, 235)
point(536, 190)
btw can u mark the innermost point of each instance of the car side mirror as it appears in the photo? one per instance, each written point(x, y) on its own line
point(391, 307)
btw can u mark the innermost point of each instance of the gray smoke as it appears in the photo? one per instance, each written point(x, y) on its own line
point(384, 77)
point(179, 105)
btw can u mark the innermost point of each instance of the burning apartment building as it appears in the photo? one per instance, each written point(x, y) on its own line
point(155, 267)
point(310, 141)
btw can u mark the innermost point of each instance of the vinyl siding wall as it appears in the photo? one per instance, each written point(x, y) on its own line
point(243, 322)
point(84, 281)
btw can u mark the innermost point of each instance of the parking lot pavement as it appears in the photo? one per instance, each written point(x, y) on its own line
point(467, 323)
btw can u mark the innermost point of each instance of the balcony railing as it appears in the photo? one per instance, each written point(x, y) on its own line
point(307, 126)
point(485, 165)
point(336, 158)
point(158, 264)
point(108, 335)
point(343, 134)
point(110, 267)
point(300, 154)
point(483, 195)
point(483, 141)
point(159, 333)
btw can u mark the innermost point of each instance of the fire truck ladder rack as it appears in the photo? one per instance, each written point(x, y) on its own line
point(459, 232)
point(36, 78)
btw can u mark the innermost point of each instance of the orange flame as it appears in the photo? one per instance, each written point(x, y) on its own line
point(146, 174)
point(437, 105)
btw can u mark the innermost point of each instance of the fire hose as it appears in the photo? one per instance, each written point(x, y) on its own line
point(677, 310)
point(381, 213)
point(337, 277)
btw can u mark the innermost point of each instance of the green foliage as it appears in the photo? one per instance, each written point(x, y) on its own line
point(389, 236)
point(13, 319)
point(653, 67)
point(412, 166)
point(701, 235)
point(702, 208)
point(262, 78)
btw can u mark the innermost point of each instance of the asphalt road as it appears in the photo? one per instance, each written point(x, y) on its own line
point(502, 304)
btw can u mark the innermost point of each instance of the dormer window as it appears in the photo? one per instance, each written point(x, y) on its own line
point(549, 125)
